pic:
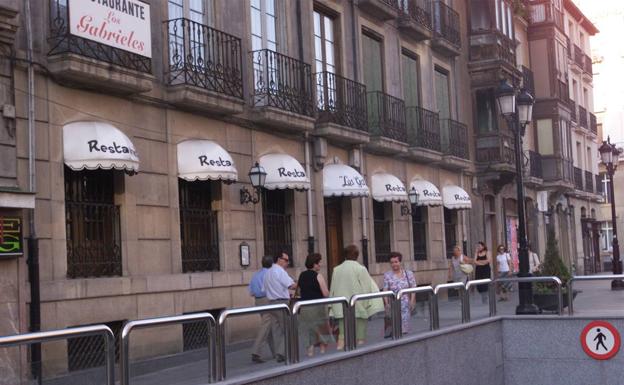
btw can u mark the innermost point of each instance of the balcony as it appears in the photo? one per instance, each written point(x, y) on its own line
point(415, 19)
point(593, 124)
point(381, 9)
point(588, 66)
point(535, 165)
point(562, 92)
point(544, 13)
point(454, 137)
point(582, 117)
point(423, 134)
point(494, 152)
point(446, 30)
point(557, 172)
point(386, 120)
point(578, 179)
point(203, 70)
point(578, 59)
point(589, 182)
point(573, 108)
point(86, 63)
point(282, 91)
point(341, 107)
point(492, 49)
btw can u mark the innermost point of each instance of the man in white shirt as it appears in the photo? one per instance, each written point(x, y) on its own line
point(534, 261)
point(277, 284)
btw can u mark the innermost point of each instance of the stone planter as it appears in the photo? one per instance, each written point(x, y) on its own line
point(548, 301)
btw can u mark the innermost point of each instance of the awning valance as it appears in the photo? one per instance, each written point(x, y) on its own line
point(203, 160)
point(428, 193)
point(387, 187)
point(284, 172)
point(93, 145)
point(342, 180)
point(455, 197)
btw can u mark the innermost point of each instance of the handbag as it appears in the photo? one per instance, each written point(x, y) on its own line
point(412, 311)
point(466, 268)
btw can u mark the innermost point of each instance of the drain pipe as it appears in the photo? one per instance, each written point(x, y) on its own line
point(363, 208)
point(309, 195)
point(33, 247)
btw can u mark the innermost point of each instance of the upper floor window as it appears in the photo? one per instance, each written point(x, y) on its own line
point(486, 111)
point(199, 11)
point(411, 87)
point(606, 236)
point(372, 55)
point(324, 43)
point(263, 25)
point(504, 17)
point(443, 97)
point(606, 187)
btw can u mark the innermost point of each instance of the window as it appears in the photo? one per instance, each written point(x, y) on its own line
point(606, 187)
point(419, 232)
point(263, 25)
point(382, 223)
point(373, 65)
point(199, 237)
point(480, 15)
point(443, 99)
point(606, 236)
point(450, 231)
point(411, 81)
point(486, 111)
point(199, 14)
point(545, 138)
point(92, 224)
point(90, 352)
point(325, 54)
point(276, 222)
point(195, 334)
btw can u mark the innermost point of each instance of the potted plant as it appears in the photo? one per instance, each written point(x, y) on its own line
point(545, 294)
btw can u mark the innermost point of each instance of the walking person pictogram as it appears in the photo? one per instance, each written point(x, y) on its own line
point(600, 337)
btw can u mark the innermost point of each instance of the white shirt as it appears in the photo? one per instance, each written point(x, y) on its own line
point(503, 262)
point(534, 262)
point(276, 283)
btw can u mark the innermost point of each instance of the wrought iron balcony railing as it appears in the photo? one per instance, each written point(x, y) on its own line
point(570, 48)
point(446, 23)
point(495, 148)
point(563, 91)
point(582, 117)
point(589, 181)
point(573, 116)
point(578, 178)
point(454, 138)
point(527, 80)
point(386, 116)
point(535, 164)
point(282, 82)
point(588, 66)
point(62, 41)
point(578, 56)
point(417, 10)
point(593, 124)
point(423, 127)
point(341, 101)
point(204, 57)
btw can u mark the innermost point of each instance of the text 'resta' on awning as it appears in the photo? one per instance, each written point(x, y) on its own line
point(284, 172)
point(455, 197)
point(98, 145)
point(428, 193)
point(342, 180)
point(205, 160)
point(388, 188)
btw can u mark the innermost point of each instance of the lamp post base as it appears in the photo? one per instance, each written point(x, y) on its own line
point(617, 284)
point(527, 309)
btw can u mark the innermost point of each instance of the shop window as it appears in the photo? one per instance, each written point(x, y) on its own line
point(195, 334)
point(199, 235)
point(92, 224)
point(450, 230)
point(276, 220)
point(90, 352)
point(382, 222)
point(419, 232)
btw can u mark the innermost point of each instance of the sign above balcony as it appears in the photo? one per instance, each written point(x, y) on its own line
point(428, 193)
point(284, 172)
point(94, 145)
point(123, 24)
point(456, 198)
point(342, 180)
point(205, 160)
point(388, 188)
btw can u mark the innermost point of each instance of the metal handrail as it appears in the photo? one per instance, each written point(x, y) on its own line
point(415, 290)
point(124, 367)
point(381, 294)
point(225, 314)
point(556, 280)
point(317, 302)
point(586, 278)
point(491, 296)
point(446, 286)
point(63, 334)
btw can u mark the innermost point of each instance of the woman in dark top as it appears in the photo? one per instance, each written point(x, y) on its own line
point(482, 269)
point(313, 319)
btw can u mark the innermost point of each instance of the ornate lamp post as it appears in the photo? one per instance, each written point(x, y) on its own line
point(257, 177)
point(609, 155)
point(412, 195)
point(517, 111)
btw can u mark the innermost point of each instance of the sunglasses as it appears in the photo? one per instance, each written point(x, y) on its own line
point(285, 259)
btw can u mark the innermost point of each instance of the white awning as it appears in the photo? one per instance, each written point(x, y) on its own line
point(284, 172)
point(455, 197)
point(387, 187)
point(203, 160)
point(428, 193)
point(342, 180)
point(93, 145)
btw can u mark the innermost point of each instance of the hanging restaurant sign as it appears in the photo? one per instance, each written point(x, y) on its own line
point(11, 244)
point(123, 24)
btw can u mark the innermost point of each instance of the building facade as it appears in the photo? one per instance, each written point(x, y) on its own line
point(144, 137)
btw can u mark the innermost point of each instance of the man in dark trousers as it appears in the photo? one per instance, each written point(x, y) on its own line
point(256, 290)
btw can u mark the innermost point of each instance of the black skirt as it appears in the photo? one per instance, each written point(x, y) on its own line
point(483, 272)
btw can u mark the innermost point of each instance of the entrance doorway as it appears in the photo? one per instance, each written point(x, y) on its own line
point(333, 233)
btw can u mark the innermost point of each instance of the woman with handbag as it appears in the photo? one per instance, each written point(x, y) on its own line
point(395, 280)
point(460, 266)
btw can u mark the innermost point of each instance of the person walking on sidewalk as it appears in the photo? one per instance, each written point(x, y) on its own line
point(457, 261)
point(482, 269)
point(395, 280)
point(503, 270)
point(256, 290)
point(277, 284)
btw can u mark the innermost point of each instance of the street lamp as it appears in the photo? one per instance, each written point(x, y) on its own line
point(412, 196)
point(517, 109)
point(609, 155)
point(257, 177)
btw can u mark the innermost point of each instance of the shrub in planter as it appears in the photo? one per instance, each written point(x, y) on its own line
point(553, 266)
